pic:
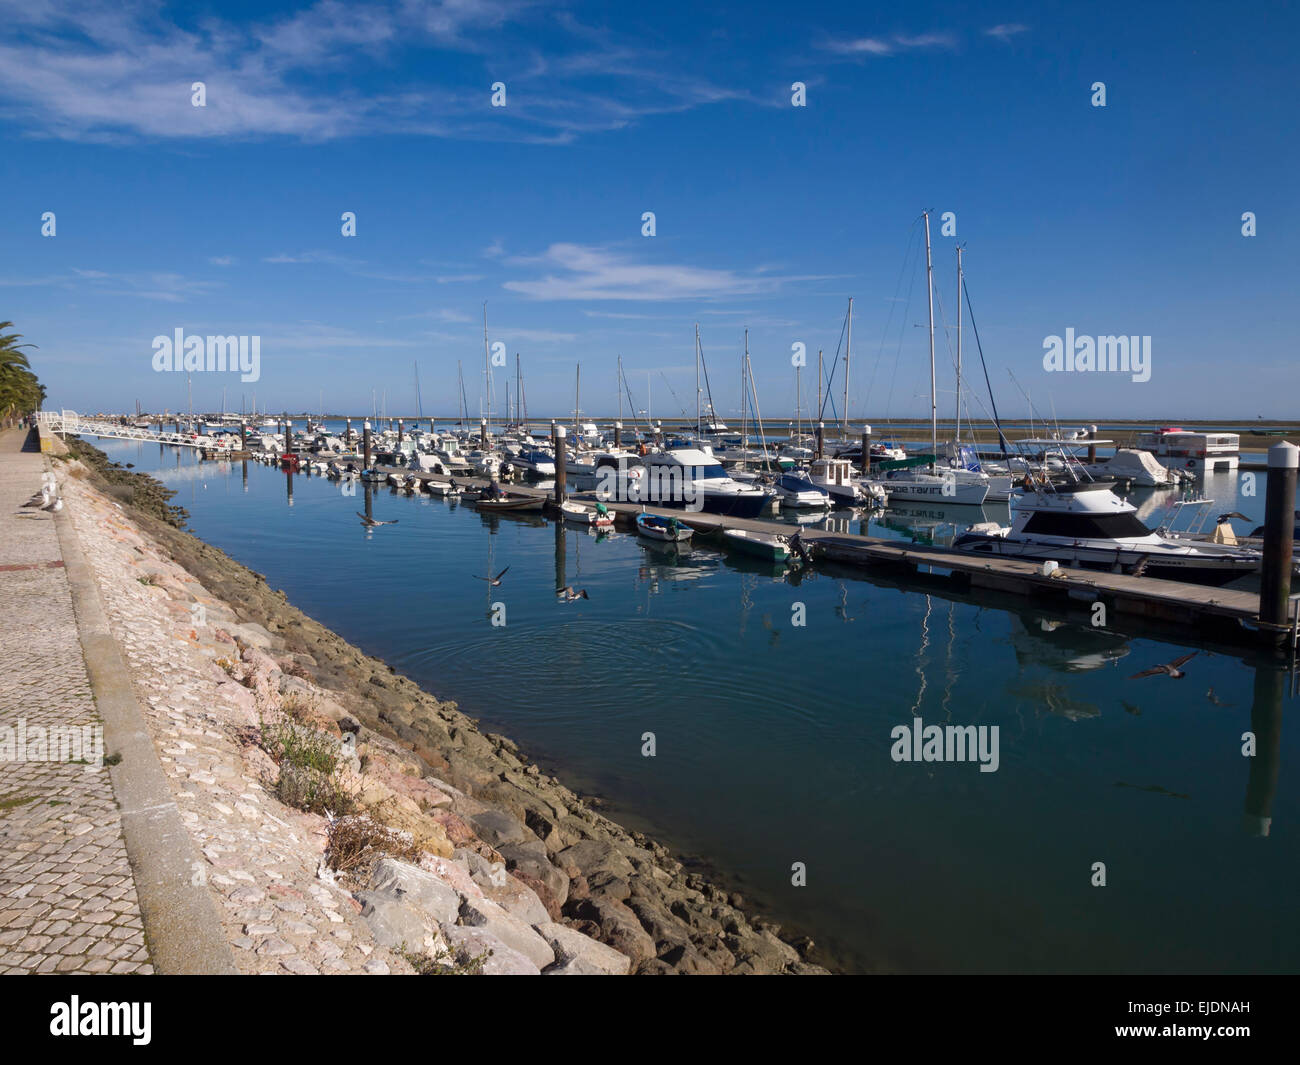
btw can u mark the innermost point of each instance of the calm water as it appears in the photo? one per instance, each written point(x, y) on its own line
point(774, 741)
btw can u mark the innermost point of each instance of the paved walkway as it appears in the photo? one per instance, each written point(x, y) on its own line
point(67, 896)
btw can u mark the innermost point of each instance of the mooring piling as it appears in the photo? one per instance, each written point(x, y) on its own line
point(1279, 535)
point(560, 471)
point(365, 445)
point(866, 450)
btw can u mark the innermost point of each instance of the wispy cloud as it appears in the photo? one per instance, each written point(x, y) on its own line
point(1006, 30)
point(591, 273)
point(222, 260)
point(100, 71)
point(891, 45)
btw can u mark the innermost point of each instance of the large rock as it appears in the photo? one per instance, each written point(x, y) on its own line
point(518, 900)
point(467, 942)
point(530, 859)
point(499, 828)
point(514, 933)
point(577, 954)
point(410, 884)
point(399, 925)
point(590, 857)
point(619, 928)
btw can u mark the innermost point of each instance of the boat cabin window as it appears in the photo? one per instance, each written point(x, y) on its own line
point(710, 473)
point(1085, 526)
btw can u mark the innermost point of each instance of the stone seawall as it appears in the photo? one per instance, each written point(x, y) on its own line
point(350, 821)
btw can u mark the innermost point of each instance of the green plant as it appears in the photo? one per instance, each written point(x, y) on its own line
point(444, 964)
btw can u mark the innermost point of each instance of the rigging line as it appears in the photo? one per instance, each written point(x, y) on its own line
point(821, 413)
point(902, 330)
point(893, 303)
point(685, 413)
point(1002, 440)
point(708, 389)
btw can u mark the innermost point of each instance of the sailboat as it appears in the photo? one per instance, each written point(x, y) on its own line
point(907, 481)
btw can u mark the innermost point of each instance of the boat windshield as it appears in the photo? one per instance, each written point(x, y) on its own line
point(1090, 526)
point(710, 473)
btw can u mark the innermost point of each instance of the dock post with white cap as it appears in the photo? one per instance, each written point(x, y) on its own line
point(560, 471)
point(1279, 535)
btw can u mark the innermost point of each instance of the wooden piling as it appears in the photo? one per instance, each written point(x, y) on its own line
point(399, 433)
point(618, 435)
point(1279, 534)
point(365, 445)
point(482, 433)
point(821, 433)
point(866, 450)
point(1092, 448)
point(560, 472)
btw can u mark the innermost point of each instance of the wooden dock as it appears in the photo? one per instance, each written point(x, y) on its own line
point(1159, 600)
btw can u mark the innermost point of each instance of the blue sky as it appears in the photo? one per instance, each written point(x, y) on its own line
point(226, 219)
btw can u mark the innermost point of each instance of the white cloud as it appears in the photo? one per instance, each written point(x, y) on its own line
point(1006, 30)
point(892, 45)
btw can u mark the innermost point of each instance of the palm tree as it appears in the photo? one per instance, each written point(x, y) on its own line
point(19, 388)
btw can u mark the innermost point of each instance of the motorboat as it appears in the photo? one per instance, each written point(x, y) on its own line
point(596, 517)
point(654, 527)
point(691, 479)
point(836, 477)
point(794, 489)
point(921, 486)
point(1087, 525)
point(772, 547)
point(1136, 467)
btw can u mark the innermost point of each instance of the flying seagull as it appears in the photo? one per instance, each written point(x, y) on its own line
point(370, 523)
point(568, 595)
point(1171, 668)
point(1231, 514)
point(494, 581)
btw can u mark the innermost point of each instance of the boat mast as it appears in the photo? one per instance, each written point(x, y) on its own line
point(848, 354)
point(697, 383)
point(577, 392)
point(957, 434)
point(929, 286)
point(744, 405)
point(819, 384)
point(487, 371)
point(619, 384)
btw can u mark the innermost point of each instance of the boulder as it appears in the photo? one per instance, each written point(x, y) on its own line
point(514, 933)
point(529, 860)
point(592, 856)
point(399, 925)
point(408, 883)
point(585, 954)
point(469, 942)
point(619, 928)
point(498, 828)
point(518, 900)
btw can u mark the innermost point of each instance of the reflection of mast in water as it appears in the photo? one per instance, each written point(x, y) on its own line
point(1266, 724)
point(920, 653)
point(950, 675)
point(748, 582)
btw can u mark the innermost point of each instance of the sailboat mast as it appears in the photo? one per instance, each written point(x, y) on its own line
point(619, 383)
point(487, 371)
point(957, 433)
point(744, 396)
point(577, 406)
point(848, 354)
point(929, 286)
point(697, 382)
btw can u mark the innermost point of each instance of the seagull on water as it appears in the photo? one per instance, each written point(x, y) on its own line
point(1169, 668)
point(370, 523)
point(569, 595)
point(494, 581)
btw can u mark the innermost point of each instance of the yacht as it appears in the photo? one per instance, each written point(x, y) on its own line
point(920, 486)
point(673, 474)
point(1087, 525)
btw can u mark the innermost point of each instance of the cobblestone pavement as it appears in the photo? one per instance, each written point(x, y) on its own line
point(259, 858)
point(67, 895)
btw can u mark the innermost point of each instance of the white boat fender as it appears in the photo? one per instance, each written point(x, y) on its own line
point(1050, 567)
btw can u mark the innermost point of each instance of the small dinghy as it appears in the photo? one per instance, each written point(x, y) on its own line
point(441, 488)
point(771, 547)
point(597, 517)
point(654, 527)
point(509, 502)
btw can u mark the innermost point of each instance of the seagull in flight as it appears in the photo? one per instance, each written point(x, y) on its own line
point(1170, 668)
point(370, 523)
point(569, 595)
point(494, 581)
